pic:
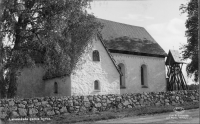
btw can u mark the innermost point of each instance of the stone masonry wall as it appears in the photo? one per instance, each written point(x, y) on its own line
point(49, 106)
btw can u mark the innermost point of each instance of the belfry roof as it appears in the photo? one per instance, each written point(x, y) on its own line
point(173, 58)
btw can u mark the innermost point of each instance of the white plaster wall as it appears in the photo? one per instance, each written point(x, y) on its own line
point(155, 73)
point(87, 71)
point(30, 83)
point(64, 86)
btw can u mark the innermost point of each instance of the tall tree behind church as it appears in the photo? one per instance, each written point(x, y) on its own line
point(190, 50)
point(52, 33)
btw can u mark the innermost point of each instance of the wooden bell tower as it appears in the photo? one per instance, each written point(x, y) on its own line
point(176, 80)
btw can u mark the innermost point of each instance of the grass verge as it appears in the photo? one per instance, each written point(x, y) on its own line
point(91, 117)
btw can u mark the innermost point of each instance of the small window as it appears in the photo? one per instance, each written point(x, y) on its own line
point(144, 76)
point(56, 87)
point(122, 77)
point(96, 85)
point(96, 55)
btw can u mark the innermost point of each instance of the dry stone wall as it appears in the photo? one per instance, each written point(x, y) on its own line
point(49, 106)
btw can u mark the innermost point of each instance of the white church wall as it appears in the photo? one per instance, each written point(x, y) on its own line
point(87, 71)
point(63, 86)
point(30, 83)
point(155, 66)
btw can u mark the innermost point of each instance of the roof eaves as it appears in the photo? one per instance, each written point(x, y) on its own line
point(60, 76)
point(137, 53)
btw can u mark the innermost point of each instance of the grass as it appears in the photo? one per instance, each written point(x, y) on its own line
point(91, 117)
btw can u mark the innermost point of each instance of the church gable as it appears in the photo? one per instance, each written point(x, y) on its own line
point(95, 70)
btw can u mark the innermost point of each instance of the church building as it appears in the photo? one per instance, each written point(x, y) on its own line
point(121, 59)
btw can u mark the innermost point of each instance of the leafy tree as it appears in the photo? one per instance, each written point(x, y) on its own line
point(51, 33)
point(190, 50)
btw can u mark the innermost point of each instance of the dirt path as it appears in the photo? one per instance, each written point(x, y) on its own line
point(188, 116)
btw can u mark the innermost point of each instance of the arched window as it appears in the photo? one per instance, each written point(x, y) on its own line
point(55, 87)
point(96, 85)
point(144, 76)
point(95, 55)
point(122, 77)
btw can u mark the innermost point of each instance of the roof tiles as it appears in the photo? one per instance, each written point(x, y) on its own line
point(118, 36)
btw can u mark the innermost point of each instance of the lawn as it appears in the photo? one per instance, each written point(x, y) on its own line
point(95, 116)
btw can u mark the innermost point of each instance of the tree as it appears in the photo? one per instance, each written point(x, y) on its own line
point(51, 33)
point(190, 50)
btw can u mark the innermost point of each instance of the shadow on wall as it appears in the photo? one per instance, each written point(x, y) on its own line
point(30, 83)
point(58, 86)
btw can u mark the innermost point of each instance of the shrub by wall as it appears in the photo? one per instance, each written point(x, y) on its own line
point(49, 106)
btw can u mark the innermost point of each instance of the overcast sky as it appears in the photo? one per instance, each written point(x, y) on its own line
point(161, 18)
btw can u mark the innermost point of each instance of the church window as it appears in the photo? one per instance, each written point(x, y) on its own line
point(96, 85)
point(96, 56)
point(56, 87)
point(144, 76)
point(122, 77)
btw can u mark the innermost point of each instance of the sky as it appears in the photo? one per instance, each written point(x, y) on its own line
point(161, 18)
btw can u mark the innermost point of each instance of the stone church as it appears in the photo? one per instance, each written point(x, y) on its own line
point(122, 59)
